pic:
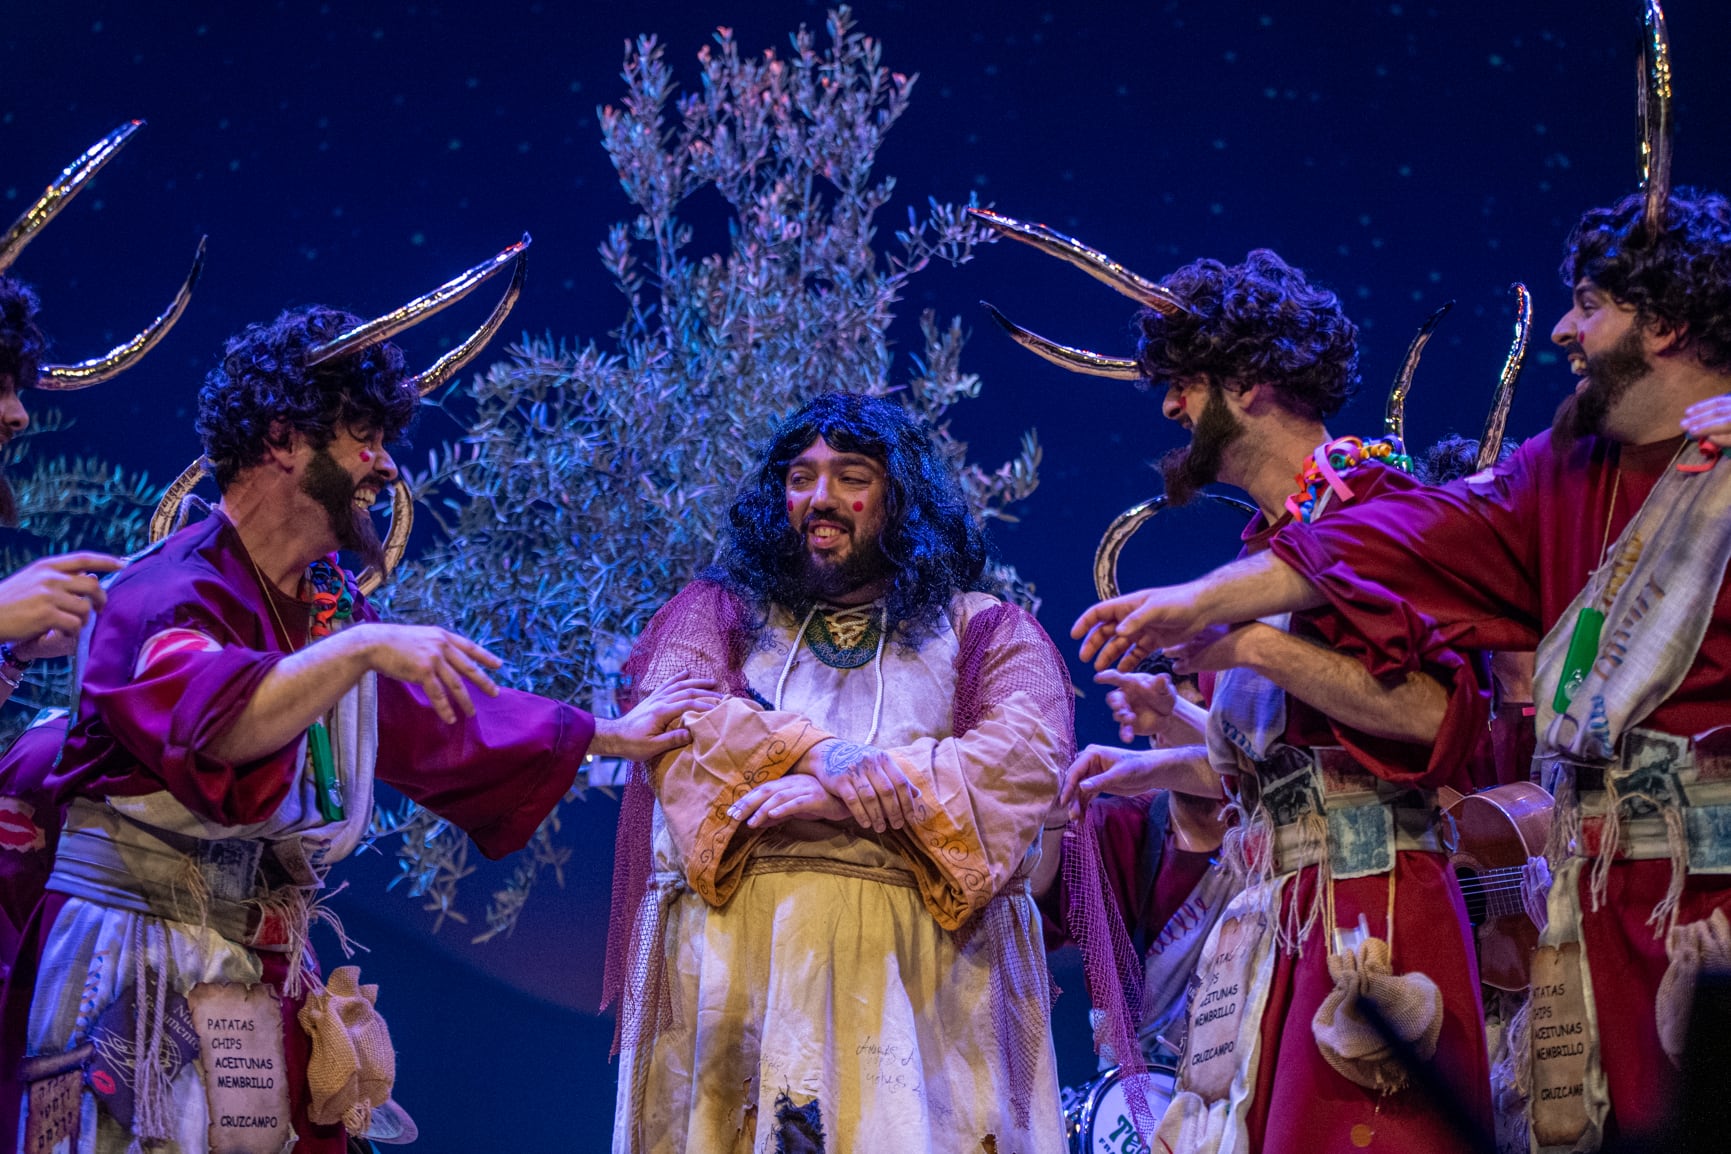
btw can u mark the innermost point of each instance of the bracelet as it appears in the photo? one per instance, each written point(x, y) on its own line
point(9, 679)
point(8, 657)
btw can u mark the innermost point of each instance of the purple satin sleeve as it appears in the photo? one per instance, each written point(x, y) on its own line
point(496, 775)
point(155, 731)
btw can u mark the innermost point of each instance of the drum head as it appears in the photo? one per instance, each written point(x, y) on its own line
point(1105, 1125)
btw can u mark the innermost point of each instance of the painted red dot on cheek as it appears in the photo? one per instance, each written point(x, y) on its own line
point(790, 504)
point(859, 506)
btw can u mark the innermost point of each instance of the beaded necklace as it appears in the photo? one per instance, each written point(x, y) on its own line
point(1321, 474)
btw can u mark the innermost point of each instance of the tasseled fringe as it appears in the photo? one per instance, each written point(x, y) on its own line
point(151, 1107)
point(190, 879)
point(1515, 1069)
point(1610, 834)
point(1664, 916)
point(299, 910)
point(1247, 847)
point(1295, 926)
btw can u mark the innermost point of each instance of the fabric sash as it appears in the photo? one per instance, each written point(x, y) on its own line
point(1172, 956)
point(1657, 594)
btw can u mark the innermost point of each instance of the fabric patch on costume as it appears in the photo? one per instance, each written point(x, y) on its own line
point(798, 1129)
point(1559, 1044)
point(18, 829)
point(1708, 830)
point(56, 1086)
point(245, 1084)
point(1217, 1014)
point(170, 642)
point(113, 1073)
point(1360, 840)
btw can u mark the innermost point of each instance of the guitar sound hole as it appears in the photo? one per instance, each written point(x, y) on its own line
point(1474, 895)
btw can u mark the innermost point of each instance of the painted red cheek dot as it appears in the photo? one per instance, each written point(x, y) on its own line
point(859, 506)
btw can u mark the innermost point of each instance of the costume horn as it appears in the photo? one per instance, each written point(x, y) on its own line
point(1097, 265)
point(1124, 527)
point(67, 378)
point(1064, 356)
point(1655, 113)
point(59, 194)
point(1394, 418)
point(1491, 441)
point(408, 316)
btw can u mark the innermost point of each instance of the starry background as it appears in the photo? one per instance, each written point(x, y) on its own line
point(1405, 154)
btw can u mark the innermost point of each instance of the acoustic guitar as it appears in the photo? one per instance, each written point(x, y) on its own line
point(1500, 828)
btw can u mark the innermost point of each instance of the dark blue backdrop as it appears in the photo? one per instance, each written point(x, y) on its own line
point(1404, 153)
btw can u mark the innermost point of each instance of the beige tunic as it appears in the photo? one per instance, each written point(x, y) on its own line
point(817, 962)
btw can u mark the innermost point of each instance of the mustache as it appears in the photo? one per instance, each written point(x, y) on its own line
point(812, 518)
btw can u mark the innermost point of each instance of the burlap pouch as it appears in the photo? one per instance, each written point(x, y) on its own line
point(1410, 1005)
point(353, 1064)
point(1694, 948)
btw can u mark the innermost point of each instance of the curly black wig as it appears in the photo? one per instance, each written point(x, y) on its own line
point(930, 537)
point(1681, 278)
point(21, 339)
point(264, 390)
point(1259, 322)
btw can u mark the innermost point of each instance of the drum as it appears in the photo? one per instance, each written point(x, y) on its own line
point(1100, 1121)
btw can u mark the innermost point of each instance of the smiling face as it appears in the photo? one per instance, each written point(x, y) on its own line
point(1606, 347)
point(344, 479)
point(838, 504)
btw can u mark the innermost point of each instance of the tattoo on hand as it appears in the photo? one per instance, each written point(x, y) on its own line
point(839, 756)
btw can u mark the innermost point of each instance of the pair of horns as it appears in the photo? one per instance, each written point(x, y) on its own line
point(1097, 265)
point(178, 501)
point(399, 320)
point(71, 181)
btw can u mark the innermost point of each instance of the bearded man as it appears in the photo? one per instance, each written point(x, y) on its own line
point(1334, 753)
point(832, 945)
point(1604, 542)
point(239, 700)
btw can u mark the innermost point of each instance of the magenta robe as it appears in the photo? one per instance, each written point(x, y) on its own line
point(496, 775)
point(1493, 564)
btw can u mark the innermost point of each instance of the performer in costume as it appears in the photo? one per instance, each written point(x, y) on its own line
point(238, 700)
point(44, 605)
point(1334, 754)
point(1566, 546)
point(823, 935)
point(1561, 546)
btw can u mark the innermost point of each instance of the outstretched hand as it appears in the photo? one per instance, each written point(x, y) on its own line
point(1123, 631)
point(53, 594)
point(1143, 705)
point(442, 663)
point(796, 795)
point(651, 728)
point(1102, 769)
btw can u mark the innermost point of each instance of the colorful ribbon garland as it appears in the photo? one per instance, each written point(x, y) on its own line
point(1323, 472)
point(334, 594)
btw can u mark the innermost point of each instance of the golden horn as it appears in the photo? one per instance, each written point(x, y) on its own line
point(1491, 441)
point(1124, 527)
point(1090, 260)
point(59, 194)
point(66, 378)
point(399, 320)
point(1394, 419)
point(1064, 356)
point(1655, 113)
point(177, 502)
point(452, 363)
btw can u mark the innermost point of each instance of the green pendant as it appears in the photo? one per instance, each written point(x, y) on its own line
point(1583, 651)
point(325, 785)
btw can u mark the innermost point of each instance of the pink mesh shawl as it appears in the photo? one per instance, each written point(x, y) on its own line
point(706, 630)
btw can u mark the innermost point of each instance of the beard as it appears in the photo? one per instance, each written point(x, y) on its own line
point(1610, 375)
point(821, 579)
point(1197, 464)
point(327, 483)
point(8, 503)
